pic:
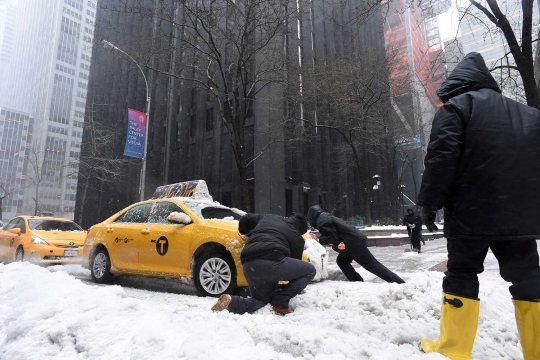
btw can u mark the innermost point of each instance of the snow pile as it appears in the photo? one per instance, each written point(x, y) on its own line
point(46, 313)
point(318, 257)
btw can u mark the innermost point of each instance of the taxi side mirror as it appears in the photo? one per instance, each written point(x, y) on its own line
point(179, 218)
point(15, 231)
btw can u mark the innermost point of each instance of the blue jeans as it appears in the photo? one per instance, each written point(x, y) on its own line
point(263, 277)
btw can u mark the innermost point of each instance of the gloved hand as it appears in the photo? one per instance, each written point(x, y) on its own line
point(412, 226)
point(428, 216)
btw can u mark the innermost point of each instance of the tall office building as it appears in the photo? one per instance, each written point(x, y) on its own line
point(187, 140)
point(8, 21)
point(491, 44)
point(47, 79)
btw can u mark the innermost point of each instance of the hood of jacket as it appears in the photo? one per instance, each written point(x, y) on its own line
point(247, 223)
point(313, 214)
point(469, 75)
point(300, 222)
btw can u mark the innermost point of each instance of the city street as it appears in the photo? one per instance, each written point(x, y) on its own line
point(58, 313)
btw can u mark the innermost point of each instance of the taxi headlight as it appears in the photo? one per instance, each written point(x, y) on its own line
point(37, 240)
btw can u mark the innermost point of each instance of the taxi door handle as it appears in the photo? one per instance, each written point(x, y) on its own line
point(110, 230)
point(145, 231)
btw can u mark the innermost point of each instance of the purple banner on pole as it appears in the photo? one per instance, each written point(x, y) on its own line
point(135, 134)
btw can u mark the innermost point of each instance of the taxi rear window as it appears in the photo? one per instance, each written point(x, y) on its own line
point(211, 211)
point(51, 225)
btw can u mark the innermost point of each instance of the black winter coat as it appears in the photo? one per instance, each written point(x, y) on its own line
point(274, 237)
point(334, 231)
point(415, 219)
point(483, 159)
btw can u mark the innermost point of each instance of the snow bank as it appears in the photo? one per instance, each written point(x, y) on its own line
point(46, 313)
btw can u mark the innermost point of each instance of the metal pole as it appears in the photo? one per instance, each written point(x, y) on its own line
point(143, 166)
point(109, 45)
point(402, 206)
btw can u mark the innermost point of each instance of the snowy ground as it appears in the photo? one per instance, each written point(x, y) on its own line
point(57, 313)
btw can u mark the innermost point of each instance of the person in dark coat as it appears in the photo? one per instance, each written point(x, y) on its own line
point(350, 244)
point(272, 253)
point(414, 228)
point(483, 166)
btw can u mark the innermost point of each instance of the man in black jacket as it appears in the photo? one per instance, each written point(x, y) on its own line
point(483, 166)
point(414, 228)
point(351, 245)
point(273, 253)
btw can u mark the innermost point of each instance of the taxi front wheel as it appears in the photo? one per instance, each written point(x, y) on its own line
point(100, 267)
point(214, 274)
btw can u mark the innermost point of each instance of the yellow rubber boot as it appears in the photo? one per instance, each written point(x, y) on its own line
point(528, 323)
point(459, 321)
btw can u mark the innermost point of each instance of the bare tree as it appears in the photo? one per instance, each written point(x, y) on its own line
point(37, 174)
point(513, 23)
point(99, 163)
point(232, 49)
point(7, 188)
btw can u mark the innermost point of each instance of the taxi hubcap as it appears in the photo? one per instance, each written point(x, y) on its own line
point(99, 265)
point(215, 276)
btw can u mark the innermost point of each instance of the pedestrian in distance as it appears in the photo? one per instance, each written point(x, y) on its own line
point(272, 253)
point(483, 166)
point(350, 244)
point(414, 229)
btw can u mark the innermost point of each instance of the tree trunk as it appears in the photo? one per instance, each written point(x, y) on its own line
point(360, 168)
point(366, 184)
point(1, 200)
point(36, 199)
point(529, 85)
point(244, 189)
point(83, 201)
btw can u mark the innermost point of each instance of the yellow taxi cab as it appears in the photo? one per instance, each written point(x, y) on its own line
point(41, 239)
point(180, 232)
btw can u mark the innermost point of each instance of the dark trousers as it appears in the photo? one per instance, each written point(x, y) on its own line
point(362, 255)
point(263, 277)
point(518, 264)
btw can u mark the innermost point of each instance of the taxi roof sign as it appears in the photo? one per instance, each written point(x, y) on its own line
point(196, 189)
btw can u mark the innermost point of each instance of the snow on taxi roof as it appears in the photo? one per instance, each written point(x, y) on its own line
point(196, 189)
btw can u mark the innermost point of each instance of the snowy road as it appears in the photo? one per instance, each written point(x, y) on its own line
point(58, 313)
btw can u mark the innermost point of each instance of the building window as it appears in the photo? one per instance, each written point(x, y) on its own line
point(192, 125)
point(288, 202)
point(210, 119)
point(226, 198)
point(178, 133)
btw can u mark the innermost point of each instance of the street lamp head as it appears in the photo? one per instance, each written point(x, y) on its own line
point(108, 45)
point(376, 176)
point(402, 186)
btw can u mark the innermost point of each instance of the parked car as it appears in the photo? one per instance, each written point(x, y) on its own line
point(180, 233)
point(41, 239)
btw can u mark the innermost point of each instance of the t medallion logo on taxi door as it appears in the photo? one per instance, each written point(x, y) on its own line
point(162, 245)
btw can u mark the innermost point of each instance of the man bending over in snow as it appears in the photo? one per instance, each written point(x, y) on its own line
point(483, 166)
point(273, 253)
point(351, 245)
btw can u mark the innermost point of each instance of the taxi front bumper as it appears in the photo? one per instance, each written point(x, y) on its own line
point(53, 254)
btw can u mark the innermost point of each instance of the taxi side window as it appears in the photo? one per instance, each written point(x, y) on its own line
point(137, 214)
point(161, 210)
point(10, 225)
point(21, 225)
point(18, 223)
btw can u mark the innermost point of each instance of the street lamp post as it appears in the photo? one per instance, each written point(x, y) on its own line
point(108, 45)
point(402, 205)
point(377, 186)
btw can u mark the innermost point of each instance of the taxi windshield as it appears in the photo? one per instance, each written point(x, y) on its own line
point(209, 211)
point(53, 225)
